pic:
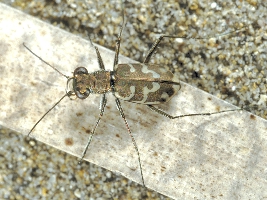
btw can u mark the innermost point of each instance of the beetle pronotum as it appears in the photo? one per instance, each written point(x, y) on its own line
point(142, 83)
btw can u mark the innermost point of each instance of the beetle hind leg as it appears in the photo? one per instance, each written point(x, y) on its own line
point(165, 114)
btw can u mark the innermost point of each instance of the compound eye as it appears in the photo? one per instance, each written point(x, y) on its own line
point(80, 70)
point(81, 95)
point(79, 88)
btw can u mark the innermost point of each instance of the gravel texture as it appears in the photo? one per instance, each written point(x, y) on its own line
point(231, 67)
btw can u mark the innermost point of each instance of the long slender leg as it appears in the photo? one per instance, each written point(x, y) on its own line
point(118, 43)
point(99, 58)
point(156, 43)
point(161, 112)
point(103, 103)
point(130, 133)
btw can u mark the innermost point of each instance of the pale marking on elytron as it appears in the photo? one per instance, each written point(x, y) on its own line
point(146, 91)
point(162, 70)
point(132, 89)
point(132, 68)
point(176, 79)
point(146, 71)
point(165, 96)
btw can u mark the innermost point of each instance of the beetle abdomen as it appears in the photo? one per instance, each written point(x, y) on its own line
point(144, 83)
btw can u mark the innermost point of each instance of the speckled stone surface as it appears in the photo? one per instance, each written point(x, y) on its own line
point(32, 170)
point(223, 66)
point(232, 67)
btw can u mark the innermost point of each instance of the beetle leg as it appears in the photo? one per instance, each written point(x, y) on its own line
point(103, 103)
point(155, 45)
point(118, 43)
point(99, 59)
point(161, 112)
point(130, 133)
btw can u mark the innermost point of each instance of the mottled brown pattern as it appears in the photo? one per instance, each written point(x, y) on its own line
point(165, 86)
point(97, 82)
point(123, 72)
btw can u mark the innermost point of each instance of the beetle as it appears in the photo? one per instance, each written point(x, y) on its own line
point(142, 83)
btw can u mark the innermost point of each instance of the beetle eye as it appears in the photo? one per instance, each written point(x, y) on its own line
point(80, 70)
point(80, 92)
point(81, 95)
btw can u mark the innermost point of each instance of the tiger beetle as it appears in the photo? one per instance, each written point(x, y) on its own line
point(142, 83)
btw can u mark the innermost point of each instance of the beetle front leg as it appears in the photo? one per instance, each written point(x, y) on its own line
point(103, 103)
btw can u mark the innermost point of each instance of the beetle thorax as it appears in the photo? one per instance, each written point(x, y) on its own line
point(96, 82)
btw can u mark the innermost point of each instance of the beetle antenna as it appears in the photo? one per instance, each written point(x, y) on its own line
point(67, 94)
point(45, 61)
